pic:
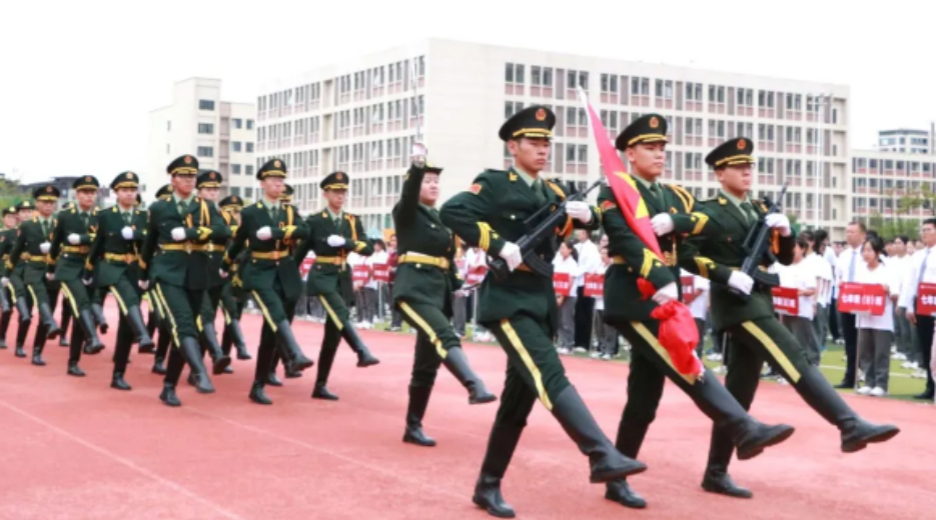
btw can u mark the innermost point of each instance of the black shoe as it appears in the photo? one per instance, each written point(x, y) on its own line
point(293, 357)
point(418, 401)
point(762, 436)
point(37, 357)
point(74, 369)
point(220, 360)
point(117, 381)
point(63, 341)
point(193, 354)
point(3, 345)
point(350, 335)
point(273, 380)
point(19, 352)
point(620, 491)
point(292, 374)
point(844, 385)
point(237, 336)
point(925, 396)
point(857, 435)
point(98, 312)
point(86, 322)
point(456, 363)
point(52, 328)
point(159, 367)
point(720, 482)
point(168, 395)
point(321, 392)
point(487, 496)
point(257, 394)
point(228, 370)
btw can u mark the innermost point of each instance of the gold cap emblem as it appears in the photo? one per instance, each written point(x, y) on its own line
point(130, 175)
point(187, 160)
point(541, 115)
point(48, 189)
point(654, 122)
point(742, 144)
point(87, 178)
point(276, 164)
point(339, 176)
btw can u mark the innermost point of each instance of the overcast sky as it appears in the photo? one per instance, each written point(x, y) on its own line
point(78, 78)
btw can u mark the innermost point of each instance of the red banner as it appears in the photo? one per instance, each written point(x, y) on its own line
point(688, 289)
point(594, 286)
point(381, 272)
point(562, 283)
point(786, 300)
point(926, 299)
point(476, 275)
point(864, 298)
point(360, 274)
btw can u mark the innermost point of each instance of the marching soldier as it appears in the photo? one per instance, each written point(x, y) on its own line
point(521, 310)
point(755, 332)
point(270, 274)
point(175, 263)
point(425, 282)
point(332, 235)
point(66, 309)
point(285, 198)
point(164, 338)
point(670, 206)
point(232, 307)
point(32, 247)
point(71, 243)
point(22, 300)
point(7, 238)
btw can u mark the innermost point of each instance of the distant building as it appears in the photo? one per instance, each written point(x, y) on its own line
point(904, 140)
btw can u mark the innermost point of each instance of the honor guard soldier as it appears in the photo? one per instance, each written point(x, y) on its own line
point(717, 253)
point(670, 206)
point(113, 265)
point(270, 274)
point(66, 309)
point(174, 261)
point(7, 238)
point(164, 338)
point(22, 300)
point(71, 243)
point(425, 283)
point(332, 235)
point(233, 335)
point(521, 310)
point(32, 247)
point(285, 198)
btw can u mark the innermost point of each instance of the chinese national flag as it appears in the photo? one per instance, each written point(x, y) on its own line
point(678, 333)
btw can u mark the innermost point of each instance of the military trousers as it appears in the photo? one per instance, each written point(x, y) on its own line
point(337, 317)
point(276, 309)
point(179, 307)
point(209, 306)
point(44, 291)
point(126, 293)
point(650, 366)
point(434, 337)
point(75, 296)
point(232, 308)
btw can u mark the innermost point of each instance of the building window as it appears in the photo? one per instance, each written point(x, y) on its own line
point(168, 126)
point(238, 123)
point(205, 128)
point(250, 148)
point(513, 73)
point(236, 146)
point(205, 151)
point(236, 169)
point(249, 170)
point(205, 104)
point(235, 190)
point(248, 192)
point(250, 124)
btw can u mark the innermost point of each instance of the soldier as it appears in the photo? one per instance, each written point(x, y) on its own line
point(71, 243)
point(426, 279)
point(756, 333)
point(7, 237)
point(285, 198)
point(175, 263)
point(66, 309)
point(332, 235)
point(521, 309)
point(162, 323)
point(670, 206)
point(22, 299)
point(233, 308)
point(32, 247)
point(267, 228)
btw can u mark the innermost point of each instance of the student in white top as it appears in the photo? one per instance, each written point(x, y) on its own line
point(824, 279)
point(876, 333)
point(801, 275)
point(565, 262)
point(699, 305)
point(922, 270)
point(899, 264)
point(372, 301)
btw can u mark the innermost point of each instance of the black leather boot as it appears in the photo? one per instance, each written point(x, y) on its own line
point(192, 352)
point(620, 491)
point(169, 396)
point(273, 380)
point(4, 327)
point(74, 369)
point(117, 381)
point(321, 392)
point(487, 494)
point(22, 308)
point(717, 480)
point(94, 343)
point(606, 461)
point(98, 312)
point(418, 401)
point(456, 363)
point(38, 345)
point(237, 336)
point(293, 357)
point(66, 321)
point(220, 361)
point(365, 358)
point(258, 395)
point(159, 366)
point(135, 318)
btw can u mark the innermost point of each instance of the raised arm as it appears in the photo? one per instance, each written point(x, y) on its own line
point(466, 215)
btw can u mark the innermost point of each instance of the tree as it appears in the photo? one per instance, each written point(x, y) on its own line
point(10, 193)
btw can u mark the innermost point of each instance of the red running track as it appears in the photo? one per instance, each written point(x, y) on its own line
point(76, 449)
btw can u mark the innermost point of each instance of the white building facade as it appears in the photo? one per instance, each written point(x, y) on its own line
point(906, 141)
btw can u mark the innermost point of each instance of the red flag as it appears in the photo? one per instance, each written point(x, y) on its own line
point(677, 338)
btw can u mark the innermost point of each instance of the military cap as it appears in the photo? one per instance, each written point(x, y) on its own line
point(125, 180)
point(10, 210)
point(208, 179)
point(287, 195)
point(47, 193)
point(534, 121)
point(231, 202)
point(335, 181)
point(272, 168)
point(26, 204)
point(650, 128)
point(165, 190)
point(731, 153)
point(88, 182)
point(183, 165)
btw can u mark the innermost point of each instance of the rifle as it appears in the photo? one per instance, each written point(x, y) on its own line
point(529, 242)
point(756, 245)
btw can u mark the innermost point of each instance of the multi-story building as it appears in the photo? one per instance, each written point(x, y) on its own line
point(361, 117)
point(906, 141)
point(880, 180)
point(220, 134)
point(66, 193)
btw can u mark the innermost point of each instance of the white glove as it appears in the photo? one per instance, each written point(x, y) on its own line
point(4, 281)
point(223, 273)
point(50, 276)
point(86, 281)
point(741, 282)
point(336, 241)
point(579, 210)
point(264, 233)
point(143, 284)
point(511, 254)
point(74, 239)
point(780, 222)
point(662, 224)
point(44, 247)
point(667, 293)
point(127, 233)
point(178, 234)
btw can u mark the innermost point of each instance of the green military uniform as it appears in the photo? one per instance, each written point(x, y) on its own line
point(22, 299)
point(7, 238)
point(71, 243)
point(628, 311)
point(175, 263)
point(756, 334)
point(332, 236)
point(32, 248)
point(271, 275)
point(164, 338)
point(521, 311)
point(232, 307)
point(66, 309)
point(426, 278)
point(286, 198)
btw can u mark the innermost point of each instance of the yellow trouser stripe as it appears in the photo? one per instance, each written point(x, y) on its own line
point(227, 316)
point(33, 293)
point(331, 313)
point(71, 299)
point(12, 291)
point(263, 309)
point(120, 302)
point(198, 322)
point(528, 361)
point(172, 322)
point(660, 350)
point(774, 350)
point(421, 323)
